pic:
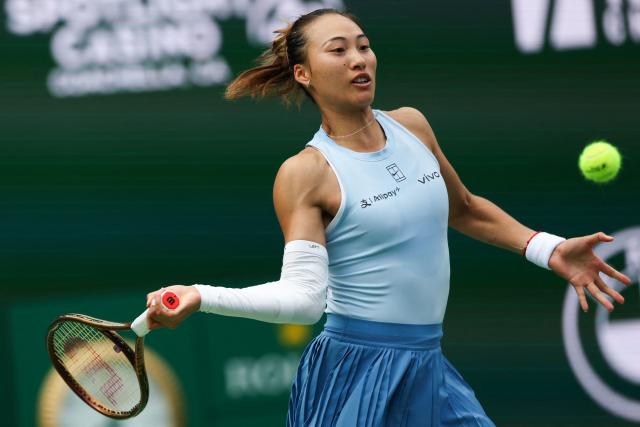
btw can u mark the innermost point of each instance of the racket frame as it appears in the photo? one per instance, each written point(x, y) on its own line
point(136, 358)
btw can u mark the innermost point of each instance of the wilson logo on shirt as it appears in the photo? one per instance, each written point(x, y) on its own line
point(395, 172)
point(429, 177)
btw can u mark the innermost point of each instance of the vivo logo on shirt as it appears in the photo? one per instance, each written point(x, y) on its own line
point(429, 177)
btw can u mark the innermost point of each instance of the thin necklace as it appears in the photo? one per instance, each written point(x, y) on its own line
point(353, 133)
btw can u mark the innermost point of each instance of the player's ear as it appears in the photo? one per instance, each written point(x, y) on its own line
point(302, 74)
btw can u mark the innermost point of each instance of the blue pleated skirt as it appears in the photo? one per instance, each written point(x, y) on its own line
point(359, 373)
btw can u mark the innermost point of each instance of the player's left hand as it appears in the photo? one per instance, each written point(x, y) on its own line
point(575, 261)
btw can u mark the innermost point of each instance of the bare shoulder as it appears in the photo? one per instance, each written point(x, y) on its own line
point(301, 175)
point(416, 122)
point(297, 196)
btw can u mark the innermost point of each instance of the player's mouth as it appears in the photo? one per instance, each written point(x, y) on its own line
point(362, 81)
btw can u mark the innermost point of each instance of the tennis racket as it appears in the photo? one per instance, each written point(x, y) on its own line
point(98, 365)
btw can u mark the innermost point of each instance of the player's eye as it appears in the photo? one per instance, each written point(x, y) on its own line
point(339, 49)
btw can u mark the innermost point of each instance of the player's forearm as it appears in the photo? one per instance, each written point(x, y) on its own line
point(298, 297)
point(485, 221)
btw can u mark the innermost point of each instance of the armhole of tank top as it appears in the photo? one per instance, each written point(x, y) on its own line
point(336, 219)
point(412, 136)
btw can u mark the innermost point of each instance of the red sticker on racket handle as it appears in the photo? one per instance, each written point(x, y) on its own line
point(170, 300)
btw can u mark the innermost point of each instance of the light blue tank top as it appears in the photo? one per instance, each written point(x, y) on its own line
point(387, 244)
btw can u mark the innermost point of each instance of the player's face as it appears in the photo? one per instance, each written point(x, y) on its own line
point(337, 52)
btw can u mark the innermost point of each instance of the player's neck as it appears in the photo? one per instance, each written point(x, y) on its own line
point(357, 131)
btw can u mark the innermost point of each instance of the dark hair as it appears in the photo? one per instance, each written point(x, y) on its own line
point(274, 74)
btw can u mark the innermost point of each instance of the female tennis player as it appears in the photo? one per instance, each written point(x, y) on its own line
point(364, 209)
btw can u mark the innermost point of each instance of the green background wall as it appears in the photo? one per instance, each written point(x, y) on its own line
point(106, 197)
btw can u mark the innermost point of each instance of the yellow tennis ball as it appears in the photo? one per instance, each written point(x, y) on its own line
point(600, 161)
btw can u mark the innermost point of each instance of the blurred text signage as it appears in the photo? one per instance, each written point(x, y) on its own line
point(573, 24)
point(111, 46)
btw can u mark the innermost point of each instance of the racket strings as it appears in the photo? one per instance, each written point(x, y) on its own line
point(98, 365)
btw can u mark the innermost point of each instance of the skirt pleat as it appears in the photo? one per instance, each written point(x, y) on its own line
point(359, 373)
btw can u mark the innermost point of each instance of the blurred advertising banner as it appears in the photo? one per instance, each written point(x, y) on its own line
point(111, 46)
point(574, 24)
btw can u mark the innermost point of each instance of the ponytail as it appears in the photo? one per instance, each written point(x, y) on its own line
point(272, 77)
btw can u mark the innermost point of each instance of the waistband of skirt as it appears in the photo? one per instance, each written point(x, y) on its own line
point(383, 334)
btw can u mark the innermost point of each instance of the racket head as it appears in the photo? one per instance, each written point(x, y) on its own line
point(98, 365)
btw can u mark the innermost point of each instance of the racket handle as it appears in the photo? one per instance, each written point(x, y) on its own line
point(139, 326)
point(168, 301)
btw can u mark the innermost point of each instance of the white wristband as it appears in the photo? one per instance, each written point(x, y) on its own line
point(298, 297)
point(540, 248)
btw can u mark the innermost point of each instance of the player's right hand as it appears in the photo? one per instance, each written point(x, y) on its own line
point(159, 316)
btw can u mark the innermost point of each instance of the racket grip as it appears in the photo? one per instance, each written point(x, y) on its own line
point(168, 301)
point(139, 326)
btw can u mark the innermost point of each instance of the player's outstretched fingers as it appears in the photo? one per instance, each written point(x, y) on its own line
point(609, 291)
point(582, 298)
point(599, 296)
point(602, 237)
point(614, 274)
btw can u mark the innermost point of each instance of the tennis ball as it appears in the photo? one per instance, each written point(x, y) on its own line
point(600, 161)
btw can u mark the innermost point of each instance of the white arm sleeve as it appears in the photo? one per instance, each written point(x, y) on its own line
point(298, 297)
